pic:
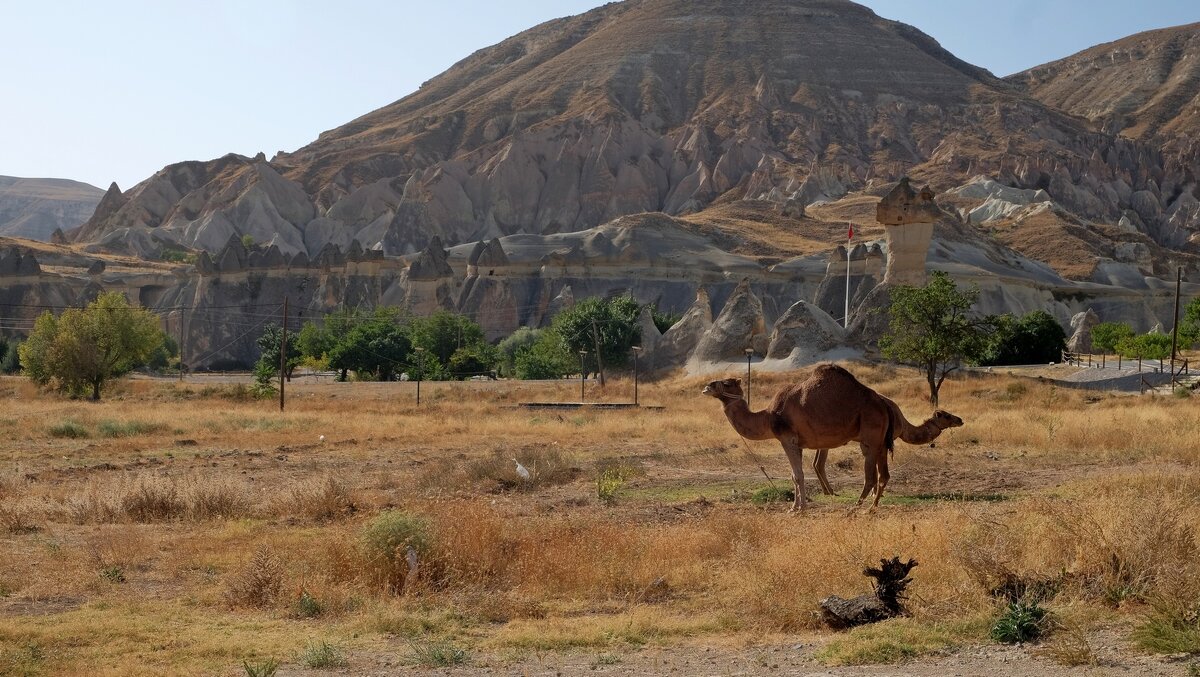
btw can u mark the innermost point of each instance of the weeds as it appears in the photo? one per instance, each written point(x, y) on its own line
point(394, 543)
point(113, 574)
point(609, 482)
point(437, 654)
point(264, 668)
point(1019, 622)
point(323, 655)
point(68, 429)
point(258, 583)
point(308, 606)
point(110, 428)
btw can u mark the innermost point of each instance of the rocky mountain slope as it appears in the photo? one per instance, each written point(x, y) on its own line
point(1141, 86)
point(35, 208)
point(655, 106)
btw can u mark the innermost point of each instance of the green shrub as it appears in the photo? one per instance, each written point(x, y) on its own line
point(437, 654)
point(1021, 621)
point(609, 482)
point(1106, 336)
point(113, 574)
point(308, 606)
point(69, 429)
point(110, 428)
point(321, 655)
point(264, 668)
point(774, 493)
point(386, 541)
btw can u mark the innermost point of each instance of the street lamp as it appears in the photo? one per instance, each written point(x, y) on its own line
point(749, 354)
point(637, 350)
point(582, 374)
point(420, 368)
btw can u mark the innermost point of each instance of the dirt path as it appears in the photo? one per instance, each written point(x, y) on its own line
point(794, 659)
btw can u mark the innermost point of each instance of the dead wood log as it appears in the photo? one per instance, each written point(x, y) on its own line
point(891, 579)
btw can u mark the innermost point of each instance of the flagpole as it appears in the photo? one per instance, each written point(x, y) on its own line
point(846, 317)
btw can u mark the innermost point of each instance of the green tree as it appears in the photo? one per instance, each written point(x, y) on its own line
point(1189, 326)
point(81, 350)
point(11, 363)
point(664, 321)
point(931, 327)
point(269, 345)
point(1036, 338)
point(444, 333)
point(613, 321)
point(1145, 347)
point(548, 357)
point(164, 355)
point(516, 343)
point(377, 346)
point(317, 340)
point(1106, 336)
point(475, 360)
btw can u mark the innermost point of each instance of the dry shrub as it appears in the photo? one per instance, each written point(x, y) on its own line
point(547, 467)
point(396, 548)
point(16, 517)
point(1110, 547)
point(152, 500)
point(258, 583)
point(120, 546)
point(207, 500)
point(321, 500)
point(1069, 646)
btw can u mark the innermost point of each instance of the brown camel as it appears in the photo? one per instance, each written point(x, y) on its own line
point(828, 409)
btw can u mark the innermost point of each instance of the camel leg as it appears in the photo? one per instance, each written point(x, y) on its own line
point(819, 468)
point(795, 457)
point(869, 473)
point(882, 471)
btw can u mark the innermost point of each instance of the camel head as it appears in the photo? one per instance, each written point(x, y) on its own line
point(946, 420)
point(725, 389)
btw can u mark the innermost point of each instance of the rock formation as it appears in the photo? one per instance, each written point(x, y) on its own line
point(740, 325)
point(909, 216)
point(1081, 331)
point(37, 208)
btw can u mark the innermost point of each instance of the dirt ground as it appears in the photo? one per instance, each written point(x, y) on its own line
point(545, 578)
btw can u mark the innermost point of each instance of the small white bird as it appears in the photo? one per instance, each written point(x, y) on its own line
point(522, 471)
point(322, 438)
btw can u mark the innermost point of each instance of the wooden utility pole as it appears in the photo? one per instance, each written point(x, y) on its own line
point(180, 335)
point(283, 354)
point(599, 359)
point(1175, 328)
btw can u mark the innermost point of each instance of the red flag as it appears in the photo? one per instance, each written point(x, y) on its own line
point(851, 235)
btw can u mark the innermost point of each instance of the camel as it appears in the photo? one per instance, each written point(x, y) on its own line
point(828, 409)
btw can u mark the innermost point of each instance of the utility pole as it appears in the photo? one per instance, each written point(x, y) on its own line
point(636, 351)
point(599, 360)
point(582, 375)
point(179, 333)
point(846, 316)
point(1175, 328)
point(749, 355)
point(283, 354)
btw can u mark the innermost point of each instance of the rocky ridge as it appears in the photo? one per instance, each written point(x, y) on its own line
point(36, 208)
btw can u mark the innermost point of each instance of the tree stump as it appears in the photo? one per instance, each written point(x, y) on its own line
point(891, 579)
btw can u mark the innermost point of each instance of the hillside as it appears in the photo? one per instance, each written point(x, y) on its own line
point(1141, 86)
point(35, 208)
point(650, 105)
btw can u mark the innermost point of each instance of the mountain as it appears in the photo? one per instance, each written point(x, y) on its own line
point(35, 208)
point(655, 106)
point(1141, 86)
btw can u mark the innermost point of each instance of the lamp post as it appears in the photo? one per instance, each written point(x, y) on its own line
point(636, 351)
point(582, 374)
point(749, 354)
point(420, 368)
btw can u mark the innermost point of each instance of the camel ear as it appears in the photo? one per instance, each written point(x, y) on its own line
point(737, 381)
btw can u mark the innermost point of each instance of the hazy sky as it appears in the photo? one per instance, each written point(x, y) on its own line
point(115, 90)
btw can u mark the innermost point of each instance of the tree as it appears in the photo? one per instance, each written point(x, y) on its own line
point(507, 351)
point(377, 346)
point(1036, 338)
point(1189, 326)
point(614, 322)
point(664, 321)
point(1106, 335)
point(164, 354)
point(931, 327)
point(11, 363)
point(1145, 347)
point(474, 360)
point(443, 333)
point(270, 343)
point(81, 350)
point(549, 357)
point(316, 341)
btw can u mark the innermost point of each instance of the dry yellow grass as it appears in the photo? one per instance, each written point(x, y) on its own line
point(216, 531)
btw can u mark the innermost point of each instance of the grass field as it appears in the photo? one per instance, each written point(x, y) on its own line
point(177, 529)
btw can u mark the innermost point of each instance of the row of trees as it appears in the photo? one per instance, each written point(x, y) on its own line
point(382, 344)
point(933, 327)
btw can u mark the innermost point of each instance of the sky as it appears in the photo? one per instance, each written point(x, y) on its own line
point(114, 91)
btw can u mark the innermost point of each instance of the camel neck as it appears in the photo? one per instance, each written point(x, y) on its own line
point(752, 425)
